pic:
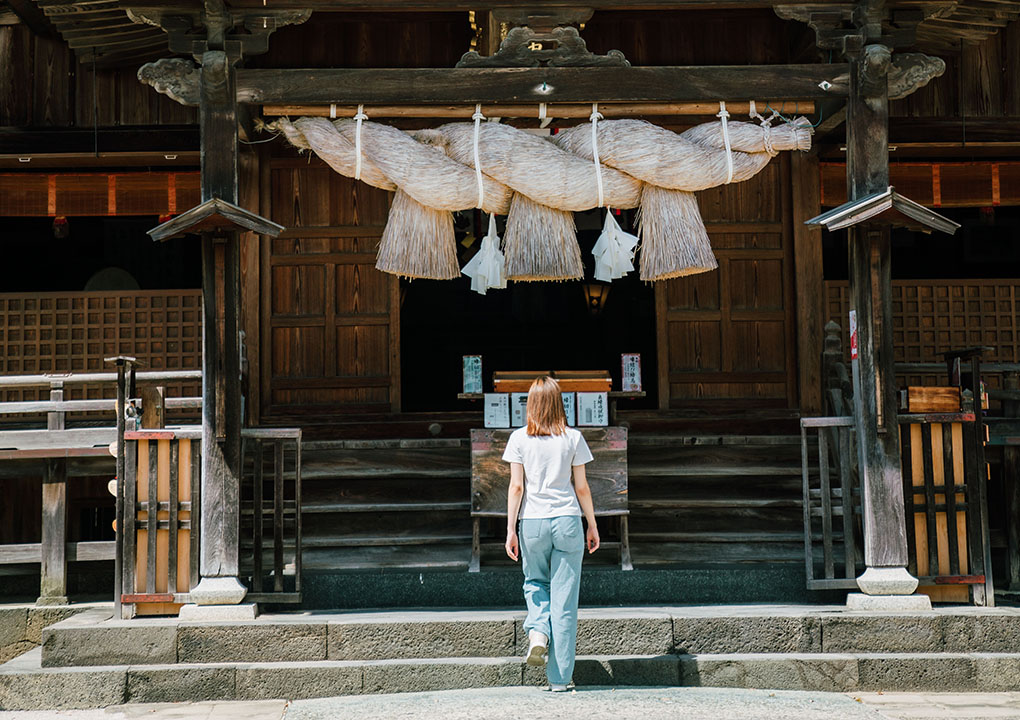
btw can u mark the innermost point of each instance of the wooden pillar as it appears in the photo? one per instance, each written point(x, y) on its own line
point(53, 571)
point(218, 121)
point(53, 567)
point(221, 383)
point(885, 540)
point(807, 255)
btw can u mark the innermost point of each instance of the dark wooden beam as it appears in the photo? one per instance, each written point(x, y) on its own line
point(166, 138)
point(465, 5)
point(561, 84)
point(959, 130)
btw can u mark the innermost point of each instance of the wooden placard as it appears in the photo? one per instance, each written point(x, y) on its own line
point(607, 473)
point(569, 380)
point(933, 399)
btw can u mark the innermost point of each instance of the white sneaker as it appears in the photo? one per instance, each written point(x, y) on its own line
point(559, 688)
point(537, 648)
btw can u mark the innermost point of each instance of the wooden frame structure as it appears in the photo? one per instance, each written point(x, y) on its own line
point(865, 73)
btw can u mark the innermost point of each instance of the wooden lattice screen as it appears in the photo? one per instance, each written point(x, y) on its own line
point(74, 331)
point(931, 317)
point(949, 184)
point(97, 194)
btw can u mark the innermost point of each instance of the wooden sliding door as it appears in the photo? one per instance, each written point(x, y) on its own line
point(329, 327)
point(727, 337)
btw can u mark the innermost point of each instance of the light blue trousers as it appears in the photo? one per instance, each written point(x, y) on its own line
point(551, 550)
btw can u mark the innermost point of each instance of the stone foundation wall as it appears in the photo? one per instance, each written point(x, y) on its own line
point(21, 626)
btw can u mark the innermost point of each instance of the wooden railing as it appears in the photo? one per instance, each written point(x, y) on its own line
point(66, 453)
point(944, 483)
point(161, 512)
point(832, 511)
point(271, 491)
point(944, 488)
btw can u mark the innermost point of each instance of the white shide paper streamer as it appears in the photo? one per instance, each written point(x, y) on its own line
point(614, 251)
point(487, 269)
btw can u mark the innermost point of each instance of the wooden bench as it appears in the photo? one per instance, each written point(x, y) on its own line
point(607, 477)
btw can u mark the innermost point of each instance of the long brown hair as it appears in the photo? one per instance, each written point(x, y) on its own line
point(545, 408)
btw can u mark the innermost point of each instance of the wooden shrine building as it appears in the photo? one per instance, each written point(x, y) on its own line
point(826, 400)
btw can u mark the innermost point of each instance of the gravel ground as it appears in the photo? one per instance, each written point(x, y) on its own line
point(622, 703)
point(589, 704)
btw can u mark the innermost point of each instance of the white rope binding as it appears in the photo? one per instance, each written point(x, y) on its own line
point(332, 111)
point(361, 116)
point(543, 117)
point(478, 117)
point(595, 117)
point(724, 116)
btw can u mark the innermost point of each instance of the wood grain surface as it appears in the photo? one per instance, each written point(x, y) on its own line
point(607, 474)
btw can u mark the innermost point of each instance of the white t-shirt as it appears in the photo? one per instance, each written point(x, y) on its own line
point(547, 460)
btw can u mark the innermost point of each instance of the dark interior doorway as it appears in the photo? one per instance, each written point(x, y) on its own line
point(527, 326)
point(94, 253)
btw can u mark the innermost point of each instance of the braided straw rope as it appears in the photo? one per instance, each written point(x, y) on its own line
point(539, 182)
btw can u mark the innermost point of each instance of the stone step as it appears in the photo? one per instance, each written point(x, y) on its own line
point(93, 638)
point(25, 684)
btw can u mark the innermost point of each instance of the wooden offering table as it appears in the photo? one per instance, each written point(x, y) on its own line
point(607, 477)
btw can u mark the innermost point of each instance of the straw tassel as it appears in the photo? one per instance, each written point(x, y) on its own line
point(674, 242)
point(418, 241)
point(540, 242)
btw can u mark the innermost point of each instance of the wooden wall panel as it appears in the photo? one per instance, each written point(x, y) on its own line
point(15, 65)
point(43, 84)
point(729, 334)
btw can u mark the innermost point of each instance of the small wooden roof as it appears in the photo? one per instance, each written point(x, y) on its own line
point(213, 215)
point(887, 206)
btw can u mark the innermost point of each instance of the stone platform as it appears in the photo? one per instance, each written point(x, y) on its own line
point(91, 660)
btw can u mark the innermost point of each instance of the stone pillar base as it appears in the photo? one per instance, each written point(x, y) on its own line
point(218, 591)
point(887, 589)
point(888, 603)
point(218, 613)
point(887, 581)
point(48, 600)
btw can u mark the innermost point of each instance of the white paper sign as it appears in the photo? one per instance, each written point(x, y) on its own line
point(570, 407)
point(518, 409)
point(631, 375)
point(853, 334)
point(497, 410)
point(592, 409)
point(472, 373)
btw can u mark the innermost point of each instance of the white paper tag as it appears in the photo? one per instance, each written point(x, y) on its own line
point(497, 410)
point(472, 373)
point(592, 409)
point(631, 374)
point(570, 407)
point(518, 409)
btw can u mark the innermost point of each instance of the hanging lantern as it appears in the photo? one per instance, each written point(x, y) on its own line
point(595, 295)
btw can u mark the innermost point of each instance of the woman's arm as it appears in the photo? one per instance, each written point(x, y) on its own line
point(513, 506)
point(587, 506)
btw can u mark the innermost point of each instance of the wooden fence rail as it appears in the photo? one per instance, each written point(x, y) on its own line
point(834, 507)
point(271, 493)
point(58, 454)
